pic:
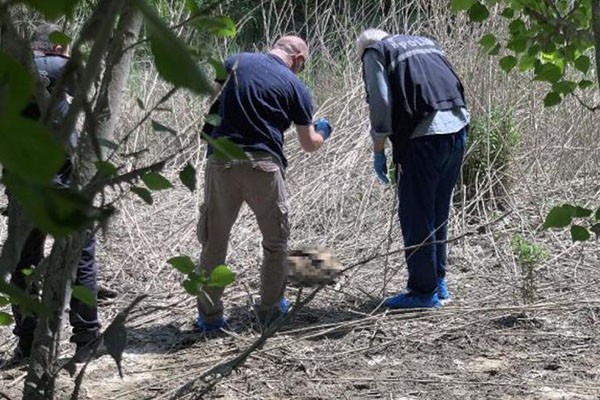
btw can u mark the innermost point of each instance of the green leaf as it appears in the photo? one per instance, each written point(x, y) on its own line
point(140, 103)
point(579, 233)
point(5, 318)
point(28, 150)
point(27, 271)
point(221, 26)
point(23, 299)
point(461, 5)
point(508, 13)
point(526, 62)
point(582, 63)
point(225, 149)
point(183, 264)
point(188, 177)
point(584, 84)
point(213, 119)
point(83, 294)
point(16, 85)
point(143, 194)
point(192, 287)
point(192, 7)
point(52, 9)
point(488, 41)
point(558, 217)
point(507, 63)
point(4, 301)
point(173, 60)
point(478, 12)
point(220, 71)
point(221, 276)
point(57, 211)
point(564, 87)
point(495, 50)
point(597, 215)
point(59, 38)
point(107, 169)
point(548, 72)
point(517, 26)
point(581, 212)
point(158, 127)
point(552, 99)
point(156, 181)
point(518, 43)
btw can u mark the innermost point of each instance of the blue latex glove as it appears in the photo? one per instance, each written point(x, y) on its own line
point(380, 165)
point(323, 128)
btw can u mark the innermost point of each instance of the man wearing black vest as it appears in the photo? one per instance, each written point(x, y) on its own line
point(417, 101)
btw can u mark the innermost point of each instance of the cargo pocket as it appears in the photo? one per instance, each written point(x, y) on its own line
point(202, 228)
point(284, 222)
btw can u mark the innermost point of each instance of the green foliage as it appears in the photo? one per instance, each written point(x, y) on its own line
point(551, 39)
point(183, 264)
point(52, 9)
point(564, 216)
point(188, 177)
point(84, 294)
point(60, 38)
point(225, 149)
point(528, 253)
point(28, 304)
point(220, 26)
point(492, 142)
point(58, 211)
point(156, 181)
point(158, 127)
point(195, 282)
point(143, 194)
point(171, 56)
point(5, 318)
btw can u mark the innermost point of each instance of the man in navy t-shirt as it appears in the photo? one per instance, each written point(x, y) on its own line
point(260, 99)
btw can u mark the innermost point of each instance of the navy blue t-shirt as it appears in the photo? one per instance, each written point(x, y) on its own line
point(260, 100)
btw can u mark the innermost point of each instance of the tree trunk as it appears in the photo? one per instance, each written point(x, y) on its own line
point(596, 31)
point(61, 267)
point(19, 224)
point(108, 105)
point(63, 260)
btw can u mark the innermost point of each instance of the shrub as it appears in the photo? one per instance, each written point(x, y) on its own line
point(492, 142)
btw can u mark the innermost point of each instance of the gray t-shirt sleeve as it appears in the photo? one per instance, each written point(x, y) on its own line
point(380, 96)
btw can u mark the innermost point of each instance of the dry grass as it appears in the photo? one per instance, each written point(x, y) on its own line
point(487, 343)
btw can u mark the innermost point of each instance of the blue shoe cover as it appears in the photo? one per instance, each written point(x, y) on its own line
point(412, 300)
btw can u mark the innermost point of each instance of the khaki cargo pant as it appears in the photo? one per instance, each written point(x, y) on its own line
point(261, 184)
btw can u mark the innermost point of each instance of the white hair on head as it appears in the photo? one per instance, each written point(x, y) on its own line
point(367, 38)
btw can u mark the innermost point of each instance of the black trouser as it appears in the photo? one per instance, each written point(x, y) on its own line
point(83, 318)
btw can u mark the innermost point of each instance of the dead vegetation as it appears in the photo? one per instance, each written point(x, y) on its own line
point(488, 342)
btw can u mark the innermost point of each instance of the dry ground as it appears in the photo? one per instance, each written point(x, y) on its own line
point(488, 342)
point(495, 340)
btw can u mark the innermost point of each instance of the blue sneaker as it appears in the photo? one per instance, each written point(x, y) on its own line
point(208, 328)
point(442, 289)
point(412, 300)
point(281, 310)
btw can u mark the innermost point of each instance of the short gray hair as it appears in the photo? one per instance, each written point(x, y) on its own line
point(367, 38)
point(40, 40)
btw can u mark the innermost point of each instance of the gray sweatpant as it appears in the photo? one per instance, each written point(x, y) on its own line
point(261, 184)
